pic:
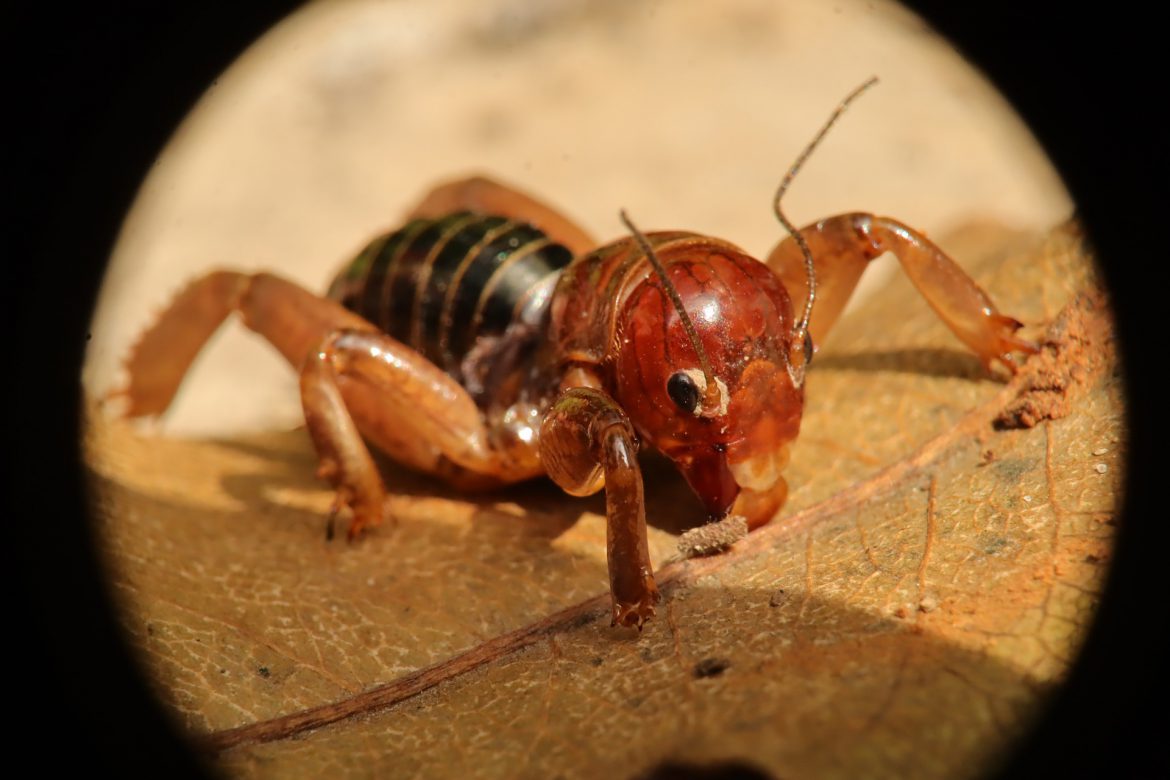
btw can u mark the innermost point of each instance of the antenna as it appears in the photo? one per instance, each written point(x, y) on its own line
point(711, 395)
point(801, 328)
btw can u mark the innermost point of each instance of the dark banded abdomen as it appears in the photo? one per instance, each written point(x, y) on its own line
point(439, 284)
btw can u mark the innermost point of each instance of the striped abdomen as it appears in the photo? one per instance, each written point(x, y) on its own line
point(440, 284)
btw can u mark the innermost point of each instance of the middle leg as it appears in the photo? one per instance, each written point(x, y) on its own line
point(843, 246)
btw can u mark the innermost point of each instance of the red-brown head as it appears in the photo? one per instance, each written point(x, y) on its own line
point(718, 395)
point(710, 358)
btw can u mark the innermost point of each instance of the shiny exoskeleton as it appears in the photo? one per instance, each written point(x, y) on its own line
point(467, 291)
point(490, 340)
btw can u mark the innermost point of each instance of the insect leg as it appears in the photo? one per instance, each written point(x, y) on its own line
point(485, 196)
point(343, 458)
point(842, 247)
point(289, 316)
point(355, 382)
point(369, 383)
point(586, 442)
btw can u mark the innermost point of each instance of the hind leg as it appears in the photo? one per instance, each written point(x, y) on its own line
point(484, 195)
point(290, 317)
point(355, 382)
point(358, 383)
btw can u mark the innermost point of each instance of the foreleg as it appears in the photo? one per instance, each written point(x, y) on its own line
point(586, 443)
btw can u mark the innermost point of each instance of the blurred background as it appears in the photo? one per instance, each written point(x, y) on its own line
point(328, 129)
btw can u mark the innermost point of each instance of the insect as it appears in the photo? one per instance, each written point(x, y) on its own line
point(490, 340)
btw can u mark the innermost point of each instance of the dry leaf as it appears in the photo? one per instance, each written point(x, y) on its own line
point(925, 589)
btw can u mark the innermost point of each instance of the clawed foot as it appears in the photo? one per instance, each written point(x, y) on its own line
point(1004, 342)
point(636, 613)
point(366, 507)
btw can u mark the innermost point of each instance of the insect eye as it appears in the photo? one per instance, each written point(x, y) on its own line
point(683, 391)
point(808, 348)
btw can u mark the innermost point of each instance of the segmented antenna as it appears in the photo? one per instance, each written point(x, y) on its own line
point(802, 327)
point(711, 395)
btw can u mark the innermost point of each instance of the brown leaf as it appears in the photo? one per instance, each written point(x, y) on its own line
point(927, 586)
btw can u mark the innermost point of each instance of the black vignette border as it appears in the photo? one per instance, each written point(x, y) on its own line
point(99, 90)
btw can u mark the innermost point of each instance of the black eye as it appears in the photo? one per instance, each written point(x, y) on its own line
point(808, 348)
point(683, 391)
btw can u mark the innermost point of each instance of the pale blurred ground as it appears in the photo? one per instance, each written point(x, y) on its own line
point(686, 113)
